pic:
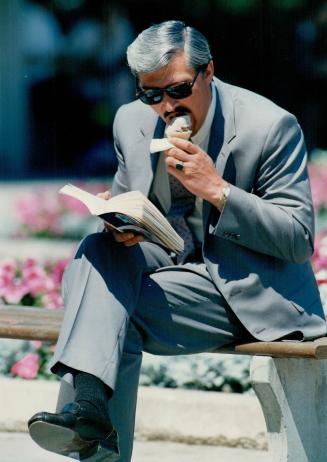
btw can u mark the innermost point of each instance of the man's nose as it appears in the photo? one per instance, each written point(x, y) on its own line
point(168, 103)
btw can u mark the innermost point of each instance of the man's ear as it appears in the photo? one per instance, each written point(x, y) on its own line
point(209, 72)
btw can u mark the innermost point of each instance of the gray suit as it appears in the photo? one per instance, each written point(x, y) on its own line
point(255, 280)
point(256, 252)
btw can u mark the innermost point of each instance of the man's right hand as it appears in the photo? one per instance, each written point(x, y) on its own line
point(128, 238)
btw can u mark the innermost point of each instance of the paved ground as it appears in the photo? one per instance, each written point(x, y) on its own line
point(15, 447)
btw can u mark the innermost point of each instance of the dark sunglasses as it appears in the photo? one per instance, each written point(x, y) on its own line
point(179, 91)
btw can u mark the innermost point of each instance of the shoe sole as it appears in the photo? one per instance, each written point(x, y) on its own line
point(68, 443)
point(61, 440)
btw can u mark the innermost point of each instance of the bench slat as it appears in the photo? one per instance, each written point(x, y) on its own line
point(30, 323)
point(316, 349)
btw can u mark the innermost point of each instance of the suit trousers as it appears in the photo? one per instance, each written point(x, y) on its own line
point(120, 301)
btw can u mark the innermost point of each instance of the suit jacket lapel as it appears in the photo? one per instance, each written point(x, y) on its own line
point(158, 133)
point(160, 185)
point(223, 131)
point(144, 178)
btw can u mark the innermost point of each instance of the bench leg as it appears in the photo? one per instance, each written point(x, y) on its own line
point(293, 396)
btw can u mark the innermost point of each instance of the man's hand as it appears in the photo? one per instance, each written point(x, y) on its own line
point(199, 174)
point(106, 195)
point(128, 238)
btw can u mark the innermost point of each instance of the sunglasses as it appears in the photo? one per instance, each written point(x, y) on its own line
point(179, 91)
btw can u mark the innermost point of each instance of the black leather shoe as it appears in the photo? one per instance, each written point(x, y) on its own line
point(72, 432)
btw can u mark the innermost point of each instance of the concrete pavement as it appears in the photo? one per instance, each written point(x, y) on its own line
point(175, 415)
point(18, 446)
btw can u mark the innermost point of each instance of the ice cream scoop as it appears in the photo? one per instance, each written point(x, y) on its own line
point(180, 127)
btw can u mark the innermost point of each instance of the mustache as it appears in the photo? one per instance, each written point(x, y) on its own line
point(178, 111)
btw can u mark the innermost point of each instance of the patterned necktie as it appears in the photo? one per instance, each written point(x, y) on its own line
point(182, 205)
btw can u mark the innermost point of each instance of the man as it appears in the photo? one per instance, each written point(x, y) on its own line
point(240, 193)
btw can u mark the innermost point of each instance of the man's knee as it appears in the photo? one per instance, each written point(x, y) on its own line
point(93, 243)
point(101, 251)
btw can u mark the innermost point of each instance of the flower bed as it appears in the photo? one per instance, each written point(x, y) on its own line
point(31, 284)
point(205, 371)
point(42, 213)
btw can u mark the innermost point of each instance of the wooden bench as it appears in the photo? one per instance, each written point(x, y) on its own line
point(289, 378)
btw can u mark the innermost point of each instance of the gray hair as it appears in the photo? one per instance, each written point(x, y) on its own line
point(156, 46)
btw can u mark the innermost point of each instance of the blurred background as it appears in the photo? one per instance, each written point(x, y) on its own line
point(64, 72)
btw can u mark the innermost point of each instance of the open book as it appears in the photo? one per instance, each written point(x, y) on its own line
point(130, 211)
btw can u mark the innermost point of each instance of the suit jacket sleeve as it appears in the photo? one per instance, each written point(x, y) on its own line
point(276, 218)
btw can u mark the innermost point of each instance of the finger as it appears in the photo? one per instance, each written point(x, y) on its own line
point(108, 227)
point(135, 240)
point(178, 154)
point(122, 237)
point(172, 162)
point(184, 145)
point(179, 174)
point(106, 195)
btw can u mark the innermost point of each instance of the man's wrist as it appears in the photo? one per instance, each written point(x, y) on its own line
point(222, 196)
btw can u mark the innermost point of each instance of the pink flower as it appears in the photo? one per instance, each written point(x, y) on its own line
point(42, 283)
point(319, 258)
point(52, 300)
point(58, 270)
point(36, 344)
point(30, 262)
point(39, 212)
point(318, 180)
point(37, 280)
point(8, 269)
point(8, 266)
point(27, 367)
point(13, 294)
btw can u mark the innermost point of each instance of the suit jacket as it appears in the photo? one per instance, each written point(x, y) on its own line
point(257, 249)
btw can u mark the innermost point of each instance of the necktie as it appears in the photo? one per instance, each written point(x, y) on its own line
point(182, 205)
